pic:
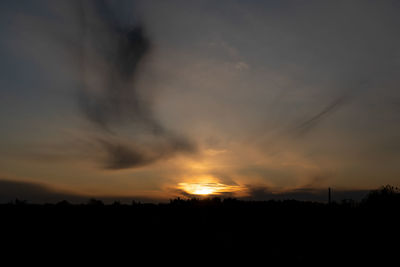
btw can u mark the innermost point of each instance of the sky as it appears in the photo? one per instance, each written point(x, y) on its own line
point(158, 99)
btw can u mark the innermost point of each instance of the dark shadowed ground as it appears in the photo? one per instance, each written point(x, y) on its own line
point(253, 233)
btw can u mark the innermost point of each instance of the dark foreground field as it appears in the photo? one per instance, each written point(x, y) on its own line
point(187, 232)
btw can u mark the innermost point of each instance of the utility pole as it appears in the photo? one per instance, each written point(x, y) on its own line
point(329, 196)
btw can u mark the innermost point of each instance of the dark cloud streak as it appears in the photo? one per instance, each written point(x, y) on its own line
point(124, 155)
point(41, 193)
point(112, 55)
point(312, 122)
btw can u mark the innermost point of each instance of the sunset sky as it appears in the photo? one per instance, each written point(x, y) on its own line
point(159, 99)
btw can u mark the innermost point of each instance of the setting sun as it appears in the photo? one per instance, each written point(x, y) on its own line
point(199, 188)
point(208, 185)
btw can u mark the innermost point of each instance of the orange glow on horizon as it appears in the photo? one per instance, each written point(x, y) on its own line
point(208, 186)
point(198, 188)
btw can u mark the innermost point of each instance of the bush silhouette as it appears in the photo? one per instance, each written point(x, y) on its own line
point(95, 202)
point(386, 196)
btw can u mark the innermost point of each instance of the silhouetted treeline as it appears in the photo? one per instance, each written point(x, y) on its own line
point(385, 197)
point(228, 230)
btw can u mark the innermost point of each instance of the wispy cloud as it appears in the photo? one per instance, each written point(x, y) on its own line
point(312, 122)
point(111, 58)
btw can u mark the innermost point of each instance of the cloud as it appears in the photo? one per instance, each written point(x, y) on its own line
point(124, 155)
point(242, 65)
point(40, 193)
point(209, 188)
point(312, 122)
point(33, 193)
point(112, 55)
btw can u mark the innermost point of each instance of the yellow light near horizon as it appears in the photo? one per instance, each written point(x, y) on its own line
point(203, 190)
point(198, 188)
point(208, 186)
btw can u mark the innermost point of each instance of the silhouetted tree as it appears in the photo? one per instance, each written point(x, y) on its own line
point(63, 203)
point(95, 202)
point(20, 202)
point(116, 203)
point(386, 196)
